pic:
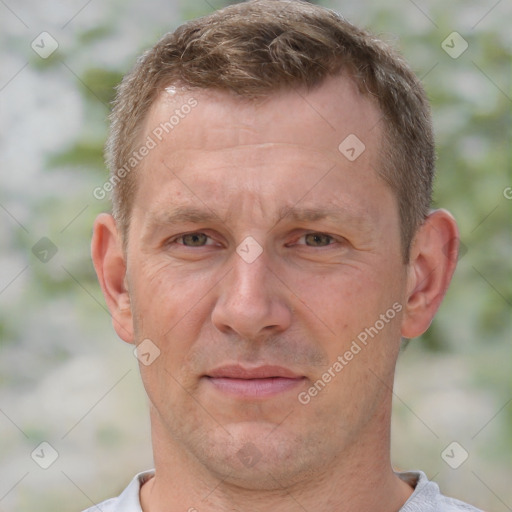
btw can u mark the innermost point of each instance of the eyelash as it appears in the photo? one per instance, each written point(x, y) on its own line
point(180, 237)
point(332, 239)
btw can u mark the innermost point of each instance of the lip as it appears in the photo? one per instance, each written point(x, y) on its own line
point(258, 382)
point(236, 371)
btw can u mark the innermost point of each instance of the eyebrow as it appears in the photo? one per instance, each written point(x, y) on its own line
point(195, 215)
point(184, 214)
point(310, 214)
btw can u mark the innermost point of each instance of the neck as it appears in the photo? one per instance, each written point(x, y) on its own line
point(361, 478)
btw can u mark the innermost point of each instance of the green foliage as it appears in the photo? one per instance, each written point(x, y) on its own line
point(101, 83)
point(94, 34)
point(82, 153)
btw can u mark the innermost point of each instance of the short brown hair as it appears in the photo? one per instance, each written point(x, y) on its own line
point(258, 47)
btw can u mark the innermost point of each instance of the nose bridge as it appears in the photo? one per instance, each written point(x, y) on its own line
point(249, 301)
point(250, 279)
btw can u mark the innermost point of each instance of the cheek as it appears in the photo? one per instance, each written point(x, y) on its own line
point(343, 301)
point(356, 314)
point(171, 311)
point(163, 298)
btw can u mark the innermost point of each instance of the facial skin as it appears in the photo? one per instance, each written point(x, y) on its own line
point(330, 266)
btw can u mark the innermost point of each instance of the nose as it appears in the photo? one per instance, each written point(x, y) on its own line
point(251, 301)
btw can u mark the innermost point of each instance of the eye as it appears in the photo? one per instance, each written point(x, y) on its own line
point(194, 240)
point(317, 239)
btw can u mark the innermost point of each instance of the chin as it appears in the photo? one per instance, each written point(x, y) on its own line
point(256, 456)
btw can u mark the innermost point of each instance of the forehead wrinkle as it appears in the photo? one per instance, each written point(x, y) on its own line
point(336, 215)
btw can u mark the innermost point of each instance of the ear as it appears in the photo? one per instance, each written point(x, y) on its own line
point(109, 262)
point(433, 258)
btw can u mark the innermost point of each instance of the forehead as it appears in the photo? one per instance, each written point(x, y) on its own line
point(213, 146)
point(317, 119)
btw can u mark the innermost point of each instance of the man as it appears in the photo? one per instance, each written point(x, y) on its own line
point(271, 244)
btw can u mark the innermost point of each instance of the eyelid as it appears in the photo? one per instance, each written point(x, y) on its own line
point(334, 238)
point(210, 238)
point(174, 239)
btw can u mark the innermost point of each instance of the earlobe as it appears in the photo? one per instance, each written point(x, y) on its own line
point(110, 265)
point(432, 262)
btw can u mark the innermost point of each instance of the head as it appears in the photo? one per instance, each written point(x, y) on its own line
point(262, 47)
point(281, 224)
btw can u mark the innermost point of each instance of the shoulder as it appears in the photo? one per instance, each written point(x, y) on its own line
point(110, 505)
point(128, 500)
point(452, 505)
point(428, 498)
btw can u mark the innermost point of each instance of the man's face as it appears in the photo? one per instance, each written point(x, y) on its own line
point(258, 246)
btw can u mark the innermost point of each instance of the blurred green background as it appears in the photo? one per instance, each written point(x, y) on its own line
point(67, 380)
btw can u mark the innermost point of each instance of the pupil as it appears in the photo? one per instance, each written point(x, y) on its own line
point(194, 239)
point(318, 239)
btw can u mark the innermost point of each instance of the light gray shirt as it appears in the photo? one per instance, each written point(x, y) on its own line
point(425, 498)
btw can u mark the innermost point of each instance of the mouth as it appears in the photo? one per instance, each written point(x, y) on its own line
point(251, 383)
